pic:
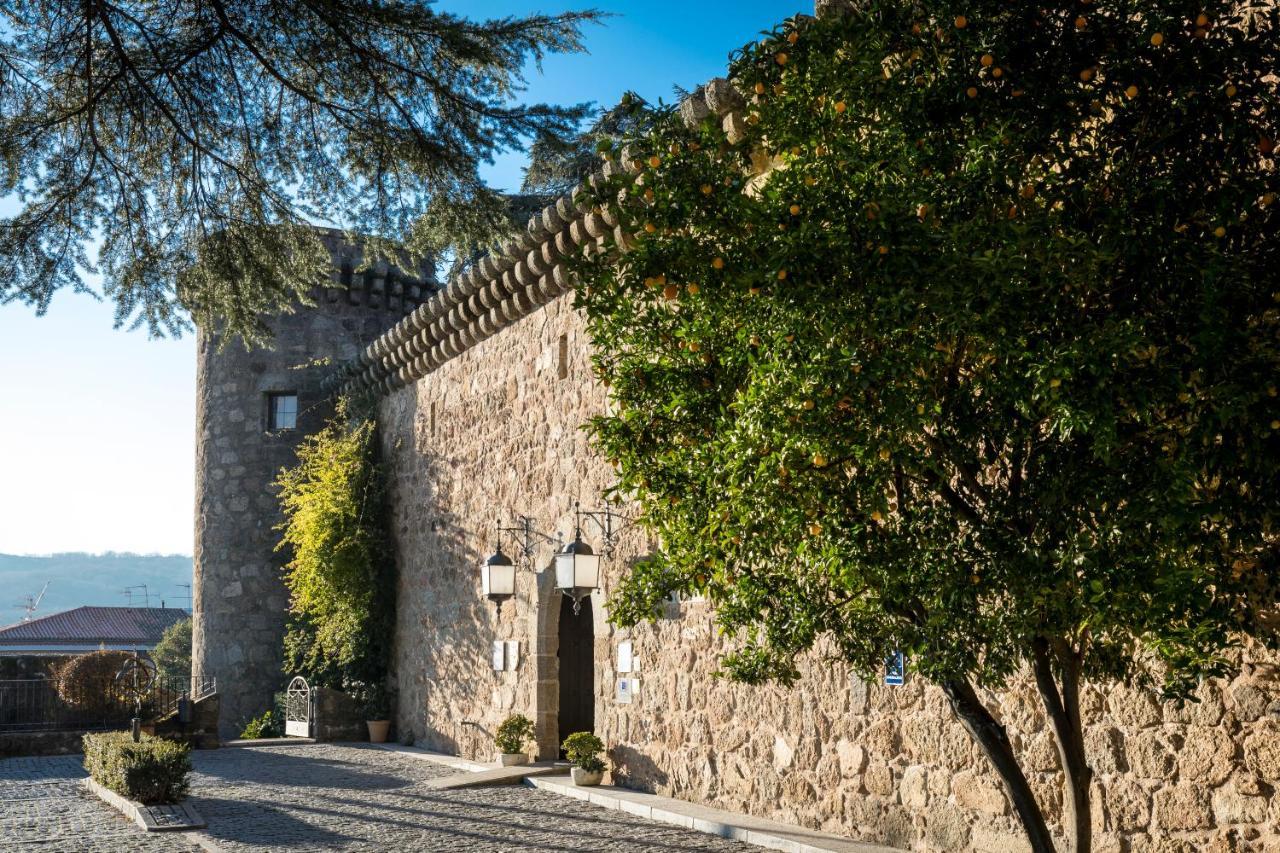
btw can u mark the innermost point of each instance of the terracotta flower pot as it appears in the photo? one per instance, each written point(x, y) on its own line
point(513, 759)
point(586, 777)
point(378, 730)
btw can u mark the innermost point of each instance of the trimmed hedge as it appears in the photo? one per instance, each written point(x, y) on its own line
point(152, 771)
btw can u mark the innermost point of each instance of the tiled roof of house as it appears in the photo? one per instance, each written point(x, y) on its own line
point(92, 625)
point(529, 271)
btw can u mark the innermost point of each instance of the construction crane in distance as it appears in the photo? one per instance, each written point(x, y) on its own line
point(31, 602)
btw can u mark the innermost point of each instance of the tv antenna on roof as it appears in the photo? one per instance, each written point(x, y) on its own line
point(187, 587)
point(129, 591)
point(30, 603)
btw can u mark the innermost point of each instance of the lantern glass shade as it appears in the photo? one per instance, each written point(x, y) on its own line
point(577, 569)
point(498, 576)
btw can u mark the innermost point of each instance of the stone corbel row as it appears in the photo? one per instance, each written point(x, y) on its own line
point(525, 274)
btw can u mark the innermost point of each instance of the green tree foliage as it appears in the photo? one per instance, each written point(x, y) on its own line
point(172, 655)
point(558, 164)
point(985, 369)
point(341, 573)
point(198, 139)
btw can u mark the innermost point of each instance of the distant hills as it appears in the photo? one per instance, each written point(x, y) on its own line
point(99, 579)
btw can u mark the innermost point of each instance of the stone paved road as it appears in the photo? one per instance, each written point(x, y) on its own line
point(324, 797)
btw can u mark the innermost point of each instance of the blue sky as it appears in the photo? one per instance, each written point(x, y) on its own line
point(97, 425)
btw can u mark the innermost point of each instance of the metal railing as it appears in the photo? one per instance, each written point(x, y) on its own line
point(37, 704)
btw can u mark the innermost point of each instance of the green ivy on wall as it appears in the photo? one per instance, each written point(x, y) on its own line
point(340, 574)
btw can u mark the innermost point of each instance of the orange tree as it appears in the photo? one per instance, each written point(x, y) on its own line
point(984, 368)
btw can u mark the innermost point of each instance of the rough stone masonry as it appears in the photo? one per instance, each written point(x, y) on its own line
point(484, 391)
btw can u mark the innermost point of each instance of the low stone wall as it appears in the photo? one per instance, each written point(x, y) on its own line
point(338, 716)
point(202, 731)
point(13, 744)
point(496, 432)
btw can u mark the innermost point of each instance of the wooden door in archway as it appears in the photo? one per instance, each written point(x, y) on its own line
point(577, 674)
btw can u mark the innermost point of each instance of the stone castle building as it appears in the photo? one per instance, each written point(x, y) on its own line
point(483, 387)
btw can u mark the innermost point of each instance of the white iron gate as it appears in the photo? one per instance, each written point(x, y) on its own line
point(298, 708)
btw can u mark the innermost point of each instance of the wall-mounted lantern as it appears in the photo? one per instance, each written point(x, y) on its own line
point(577, 564)
point(498, 572)
point(498, 576)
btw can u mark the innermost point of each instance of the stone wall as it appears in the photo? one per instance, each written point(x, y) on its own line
point(495, 433)
point(239, 601)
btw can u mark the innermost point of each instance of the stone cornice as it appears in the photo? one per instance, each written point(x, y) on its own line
point(528, 272)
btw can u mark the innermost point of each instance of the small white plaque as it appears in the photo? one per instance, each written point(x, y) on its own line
point(635, 687)
point(624, 657)
point(499, 655)
point(623, 696)
point(513, 655)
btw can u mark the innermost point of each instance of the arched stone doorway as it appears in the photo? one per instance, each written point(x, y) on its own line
point(576, 671)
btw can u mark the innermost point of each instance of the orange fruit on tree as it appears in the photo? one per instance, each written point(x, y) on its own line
point(841, 106)
point(693, 289)
point(997, 72)
point(650, 228)
point(972, 91)
point(1081, 22)
point(1157, 39)
point(782, 275)
point(655, 161)
point(717, 263)
point(961, 22)
point(759, 88)
point(706, 189)
point(793, 37)
point(795, 210)
point(987, 60)
point(670, 292)
point(1131, 92)
point(781, 59)
point(1231, 90)
point(1202, 20)
point(1220, 231)
point(815, 529)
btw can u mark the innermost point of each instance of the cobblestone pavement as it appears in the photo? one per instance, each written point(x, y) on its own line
point(324, 797)
point(44, 807)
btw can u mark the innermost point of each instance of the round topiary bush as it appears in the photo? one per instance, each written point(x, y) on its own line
point(87, 682)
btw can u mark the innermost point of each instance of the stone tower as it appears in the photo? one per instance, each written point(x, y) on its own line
point(253, 408)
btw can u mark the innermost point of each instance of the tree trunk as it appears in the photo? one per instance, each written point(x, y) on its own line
point(1062, 703)
point(994, 741)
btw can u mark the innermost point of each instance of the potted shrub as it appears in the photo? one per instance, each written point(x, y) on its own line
point(514, 732)
point(377, 711)
point(583, 751)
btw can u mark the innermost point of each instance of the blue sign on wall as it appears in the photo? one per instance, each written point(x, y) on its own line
point(895, 669)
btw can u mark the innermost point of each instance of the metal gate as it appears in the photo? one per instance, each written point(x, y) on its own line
point(297, 708)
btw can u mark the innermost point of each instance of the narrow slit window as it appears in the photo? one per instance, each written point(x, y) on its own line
point(282, 411)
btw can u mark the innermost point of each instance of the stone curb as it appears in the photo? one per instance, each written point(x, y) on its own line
point(269, 741)
point(496, 776)
point(725, 824)
point(175, 818)
point(434, 757)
